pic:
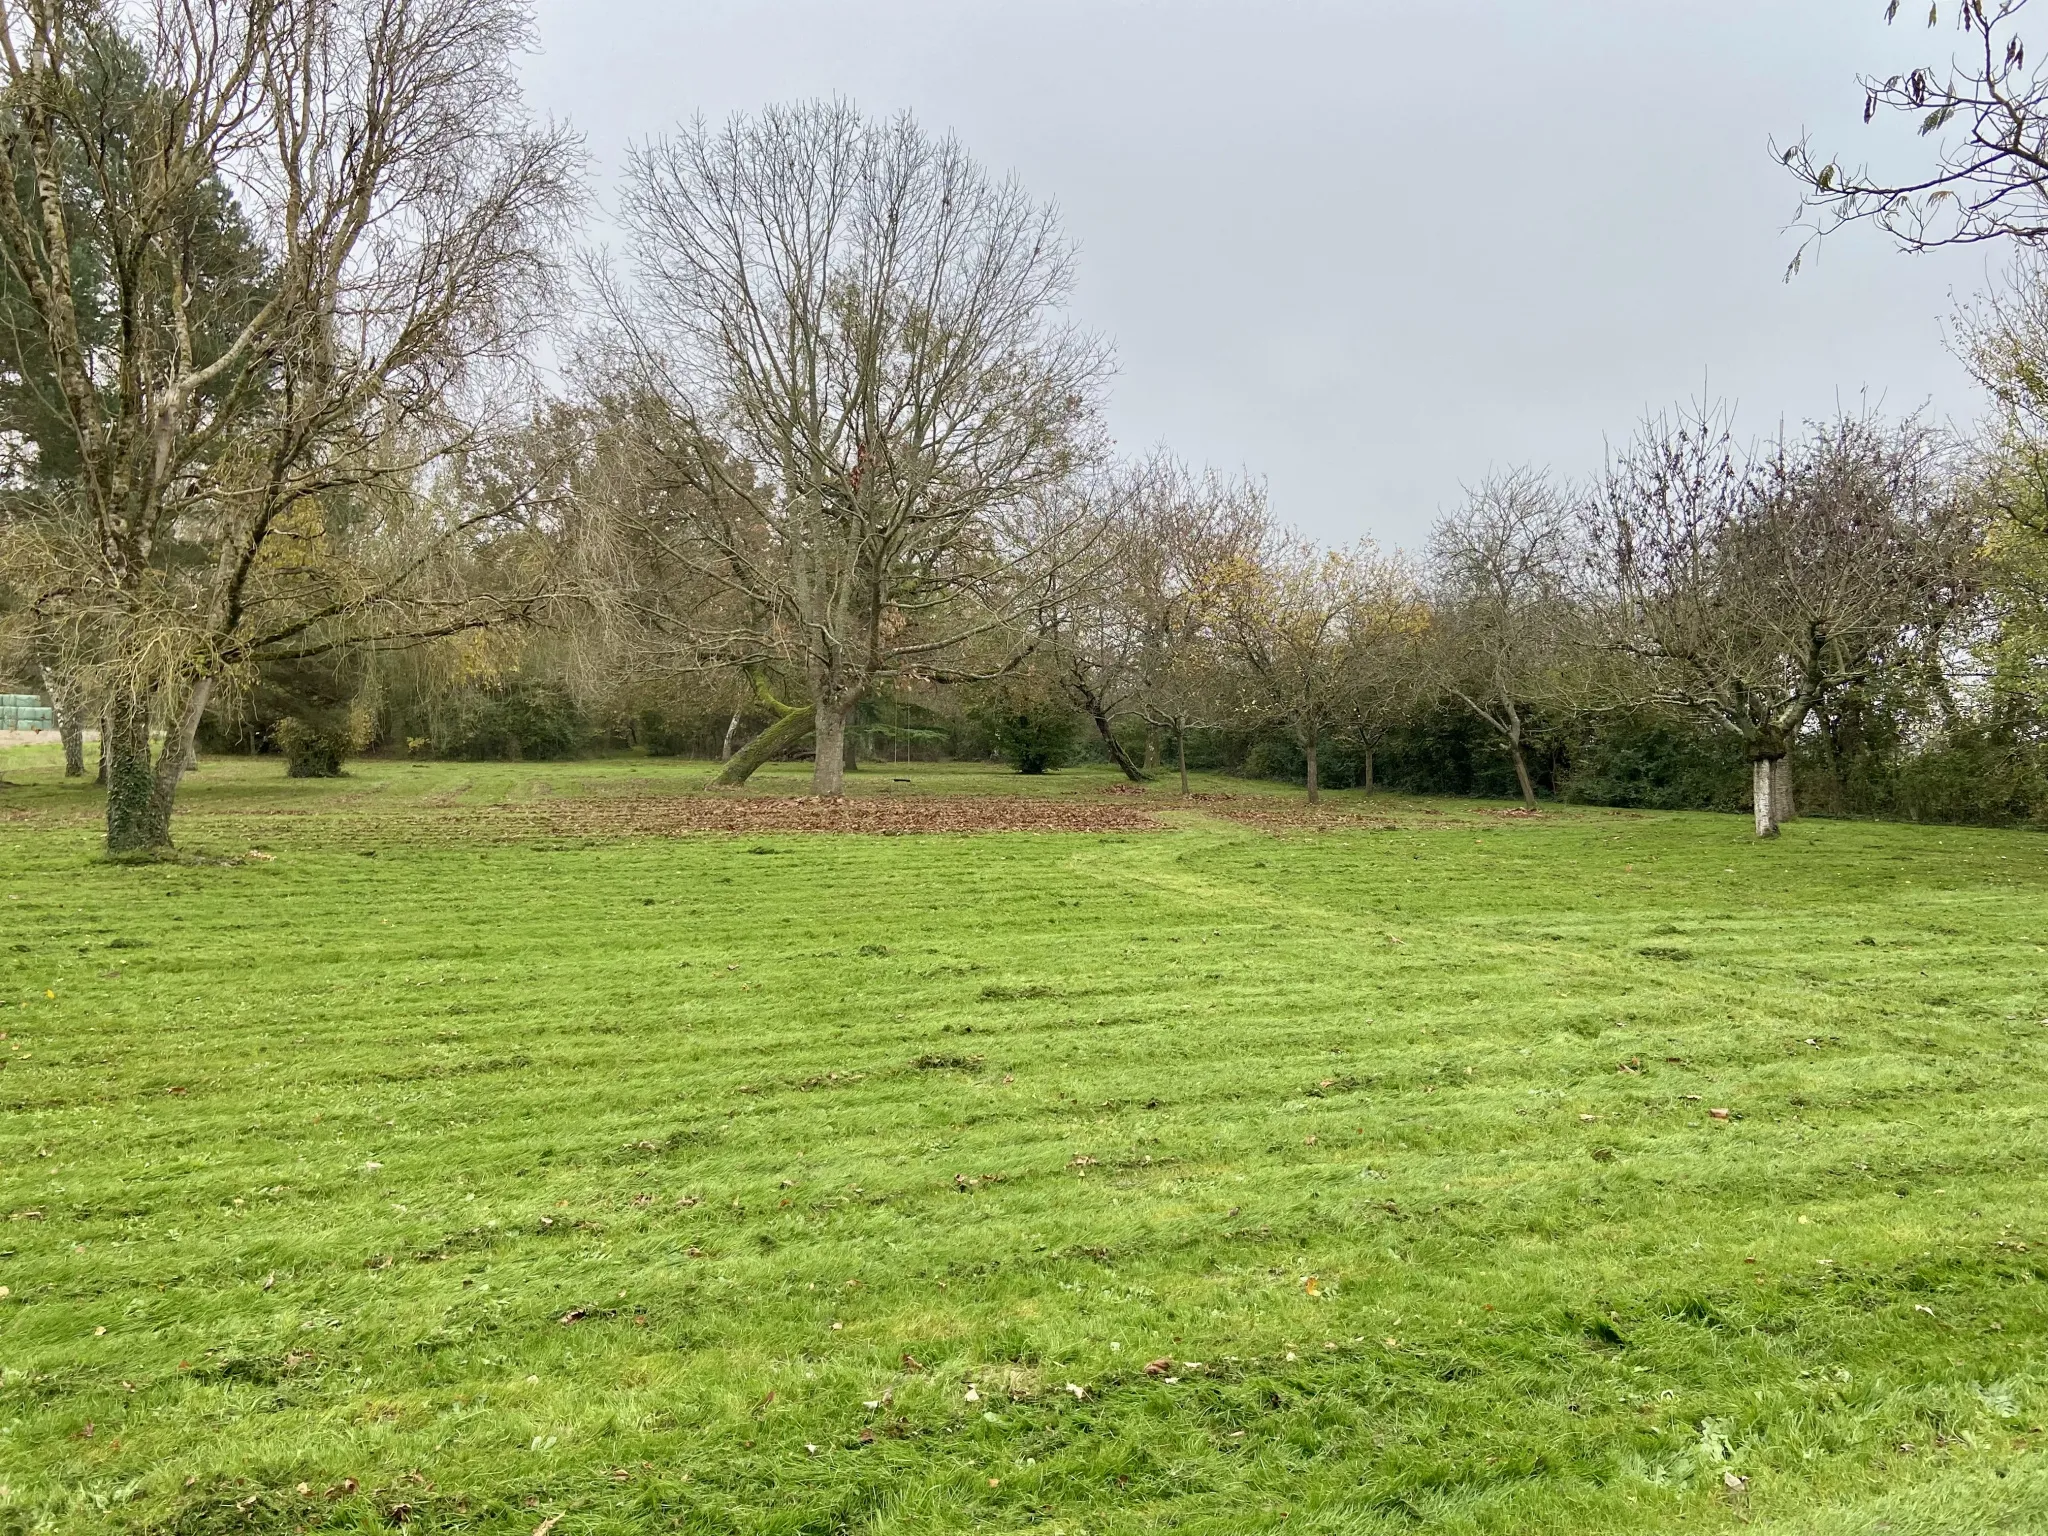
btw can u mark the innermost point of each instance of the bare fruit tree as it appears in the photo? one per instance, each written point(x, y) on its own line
point(1746, 585)
point(268, 252)
point(1499, 571)
point(1090, 626)
point(856, 336)
point(1192, 534)
point(1298, 619)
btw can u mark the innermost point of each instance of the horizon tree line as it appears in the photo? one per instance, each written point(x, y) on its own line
point(275, 278)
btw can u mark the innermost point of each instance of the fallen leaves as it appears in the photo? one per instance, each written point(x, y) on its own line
point(893, 815)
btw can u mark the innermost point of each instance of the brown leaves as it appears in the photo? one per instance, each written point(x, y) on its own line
point(1159, 1367)
point(892, 815)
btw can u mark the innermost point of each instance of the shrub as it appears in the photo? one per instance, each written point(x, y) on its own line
point(1033, 738)
point(312, 749)
point(516, 720)
point(1657, 762)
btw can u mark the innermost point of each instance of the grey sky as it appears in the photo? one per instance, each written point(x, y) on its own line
point(1370, 249)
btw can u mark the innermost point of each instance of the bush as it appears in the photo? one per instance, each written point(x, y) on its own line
point(1032, 738)
point(1973, 775)
point(1657, 762)
point(312, 750)
point(515, 721)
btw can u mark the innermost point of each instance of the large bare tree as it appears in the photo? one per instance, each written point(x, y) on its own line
point(269, 251)
point(856, 336)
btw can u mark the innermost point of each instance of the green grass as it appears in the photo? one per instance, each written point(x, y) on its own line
point(1400, 1127)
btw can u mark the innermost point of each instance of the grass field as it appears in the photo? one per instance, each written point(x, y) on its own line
point(473, 1165)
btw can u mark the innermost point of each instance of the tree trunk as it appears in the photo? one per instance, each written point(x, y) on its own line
point(1368, 770)
point(1315, 788)
point(106, 729)
point(828, 770)
point(1763, 780)
point(1151, 763)
point(785, 732)
point(1180, 741)
point(124, 755)
point(178, 757)
point(1522, 774)
point(70, 729)
point(1782, 806)
point(1117, 754)
point(732, 731)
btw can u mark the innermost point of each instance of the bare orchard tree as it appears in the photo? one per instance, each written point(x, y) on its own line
point(1187, 539)
point(1499, 572)
point(855, 336)
point(1985, 111)
point(1746, 585)
point(1389, 675)
point(1128, 619)
point(1298, 619)
point(1091, 632)
point(263, 246)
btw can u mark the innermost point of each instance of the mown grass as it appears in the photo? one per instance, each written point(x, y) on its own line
point(688, 1184)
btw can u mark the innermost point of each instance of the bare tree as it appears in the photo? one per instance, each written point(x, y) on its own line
point(1747, 585)
point(1500, 569)
point(1389, 675)
point(1091, 630)
point(855, 335)
point(1298, 618)
point(318, 224)
point(1986, 112)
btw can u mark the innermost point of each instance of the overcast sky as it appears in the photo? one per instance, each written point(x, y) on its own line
point(1367, 249)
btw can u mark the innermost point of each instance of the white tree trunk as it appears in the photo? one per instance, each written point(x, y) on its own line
point(1782, 809)
point(732, 735)
point(1763, 779)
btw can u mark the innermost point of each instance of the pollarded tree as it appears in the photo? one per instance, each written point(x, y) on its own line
point(1499, 572)
point(1745, 586)
point(317, 227)
point(855, 335)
